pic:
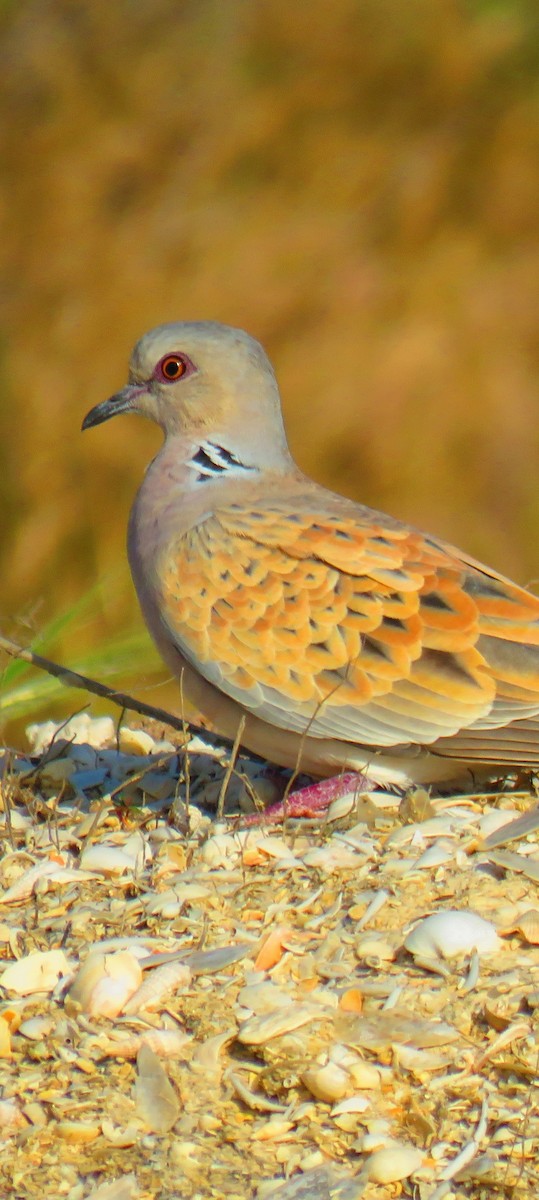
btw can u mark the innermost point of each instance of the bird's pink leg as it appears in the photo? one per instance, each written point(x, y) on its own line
point(309, 801)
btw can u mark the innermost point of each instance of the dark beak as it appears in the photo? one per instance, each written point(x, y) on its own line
point(122, 402)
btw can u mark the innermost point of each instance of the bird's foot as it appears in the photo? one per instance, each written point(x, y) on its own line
point(311, 801)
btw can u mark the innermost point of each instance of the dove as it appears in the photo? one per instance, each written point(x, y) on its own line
point(328, 636)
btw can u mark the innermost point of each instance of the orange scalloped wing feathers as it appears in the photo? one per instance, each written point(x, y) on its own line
point(349, 625)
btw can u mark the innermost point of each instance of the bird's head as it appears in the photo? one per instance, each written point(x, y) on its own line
point(201, 380)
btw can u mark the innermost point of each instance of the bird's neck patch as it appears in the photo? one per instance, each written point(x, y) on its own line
point(212, 460)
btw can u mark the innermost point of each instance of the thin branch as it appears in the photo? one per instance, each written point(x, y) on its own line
point(73, 679)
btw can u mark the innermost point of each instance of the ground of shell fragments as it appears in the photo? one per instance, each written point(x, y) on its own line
point(192, 1006)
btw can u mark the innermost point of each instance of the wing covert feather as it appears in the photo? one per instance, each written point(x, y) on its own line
point(349, 625)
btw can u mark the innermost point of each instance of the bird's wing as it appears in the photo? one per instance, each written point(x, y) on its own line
point(351, 626)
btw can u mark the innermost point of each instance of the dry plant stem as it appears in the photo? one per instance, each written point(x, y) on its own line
point(74, 680)
point(228, 773)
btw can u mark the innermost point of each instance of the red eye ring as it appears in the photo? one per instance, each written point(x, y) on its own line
point(172, 367)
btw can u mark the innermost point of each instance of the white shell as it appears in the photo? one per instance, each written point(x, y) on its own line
point(332, 857)
point(441, 851)
point(353, 1104)
point(136, 741)
point(221, 850)
point(393, 1162)
point(29, 881)
point(452, 934)
point(329, 1083)
point(341, 807)
point(36, 972)
point(105, 983)
point(274, 847)
point(95, 731)
point(370, 946)
point(164, 904)
point(365, 1074)
point(107, 860)
point(36, 1028)
point(492, 821)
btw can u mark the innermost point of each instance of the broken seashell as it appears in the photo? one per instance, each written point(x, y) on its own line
point(452, 934)
point(350, 1121)
point(167, 1043)
point(335, 856)
point(106, 982)
point(95, 731)
point(419, 1061)
point(222, 849)
point(393, 1162)
point(36, 972)
point(272, 948)
point(329, 1083)
point(257, 1030)
point(77, 1132)
point(352, 1104)
point(122, 1138)
point(381, 1030)
point(36, 1028)
point(501, 1010)
point(365, 1074)
point(157, 1104)
point(135, 741)
point(107, 860)
point(341, 807)
point(441, 851)
point(158, 984)
point(164, 904)
point(26, 884)
point(263, 997)
point(273, 846)
point(376, 902)
point(527, 924)
point(492, 821)
point(252, 1098)
point(207, 1055)
point(374, 948)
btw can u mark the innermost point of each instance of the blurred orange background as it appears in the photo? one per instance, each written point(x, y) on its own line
point(356, 183)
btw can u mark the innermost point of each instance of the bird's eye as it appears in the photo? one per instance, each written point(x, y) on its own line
point(172, 367)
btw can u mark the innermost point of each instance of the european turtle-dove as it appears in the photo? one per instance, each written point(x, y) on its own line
point(345, 638)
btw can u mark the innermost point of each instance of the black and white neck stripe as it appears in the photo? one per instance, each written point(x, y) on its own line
point(211, 460)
